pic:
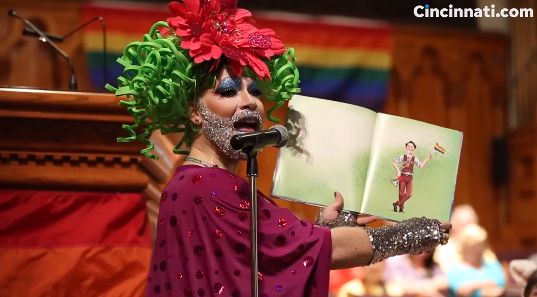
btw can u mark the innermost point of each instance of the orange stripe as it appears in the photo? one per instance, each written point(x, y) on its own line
point(74, 271)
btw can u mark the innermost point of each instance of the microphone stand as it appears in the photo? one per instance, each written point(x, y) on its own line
point(252, 171)
point(43, 37)
point(59, 38)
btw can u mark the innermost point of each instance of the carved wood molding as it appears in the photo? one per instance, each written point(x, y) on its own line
point(68, 159)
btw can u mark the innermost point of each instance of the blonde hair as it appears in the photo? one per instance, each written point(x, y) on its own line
point(470, 235)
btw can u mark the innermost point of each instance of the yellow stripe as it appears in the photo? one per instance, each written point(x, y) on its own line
point(311, 56)
point(87, 271)
point(342, 58)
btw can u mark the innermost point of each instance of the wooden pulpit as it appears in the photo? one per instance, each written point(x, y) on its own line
point(66, 141)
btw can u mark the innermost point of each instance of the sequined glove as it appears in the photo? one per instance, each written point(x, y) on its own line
point(344, 218)
point(413, 236)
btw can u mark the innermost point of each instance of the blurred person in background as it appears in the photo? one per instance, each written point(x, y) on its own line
point(341, 276)
point(523, 273)
point(475, 276)
point(449, 254)
point(372, 284)
point(416, 275)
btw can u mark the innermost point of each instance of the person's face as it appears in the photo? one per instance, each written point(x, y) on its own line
point(410, 148)
point(473, 253)
point(232, 107)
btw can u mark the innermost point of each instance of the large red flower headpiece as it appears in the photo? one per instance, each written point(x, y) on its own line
point(212, 28)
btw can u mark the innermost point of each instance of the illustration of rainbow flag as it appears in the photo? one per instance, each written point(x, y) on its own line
point(347, 61)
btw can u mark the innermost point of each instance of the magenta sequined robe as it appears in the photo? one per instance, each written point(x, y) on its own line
point(202, 245)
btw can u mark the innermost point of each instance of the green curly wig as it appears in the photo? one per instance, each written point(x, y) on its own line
point(161, 82)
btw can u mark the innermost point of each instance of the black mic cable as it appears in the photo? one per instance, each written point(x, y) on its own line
point(103, 30)
point(59, 38)
point(43, 37)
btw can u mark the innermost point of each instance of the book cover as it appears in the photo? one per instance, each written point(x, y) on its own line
point(335, 146)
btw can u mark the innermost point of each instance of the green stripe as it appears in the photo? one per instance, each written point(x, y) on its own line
point(96, 58)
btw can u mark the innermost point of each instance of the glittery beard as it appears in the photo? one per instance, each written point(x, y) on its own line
point(219, 130)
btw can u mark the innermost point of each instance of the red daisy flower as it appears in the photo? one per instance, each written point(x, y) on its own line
point(210, 29)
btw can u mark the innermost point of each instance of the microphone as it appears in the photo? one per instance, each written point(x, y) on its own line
point(43, 37)
point(276, 136)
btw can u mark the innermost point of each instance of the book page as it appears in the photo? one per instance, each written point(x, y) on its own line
point(328, 150)
point(425, 186)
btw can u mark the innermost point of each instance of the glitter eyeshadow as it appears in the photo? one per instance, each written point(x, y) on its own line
point(228, 84)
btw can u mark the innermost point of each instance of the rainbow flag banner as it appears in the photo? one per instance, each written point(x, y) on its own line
point(339, 59)
point(58, 243)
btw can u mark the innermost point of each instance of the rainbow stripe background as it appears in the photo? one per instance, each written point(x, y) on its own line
point(343, 60)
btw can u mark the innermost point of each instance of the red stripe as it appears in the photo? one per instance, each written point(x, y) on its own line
point(58, 219)
point(306, 33)
point(138, 20)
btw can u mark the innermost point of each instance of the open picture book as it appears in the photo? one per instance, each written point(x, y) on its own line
point(384, 165)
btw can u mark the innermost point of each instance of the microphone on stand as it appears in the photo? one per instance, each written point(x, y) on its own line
point(276, 136)
point(59, 38)
point(44, 38)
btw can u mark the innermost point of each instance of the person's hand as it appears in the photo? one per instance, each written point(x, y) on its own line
point(446, 227)
point(331, 212)
point(364, 219)
point(398, 174)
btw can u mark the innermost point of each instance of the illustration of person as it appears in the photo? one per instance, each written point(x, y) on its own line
point(404, 166)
